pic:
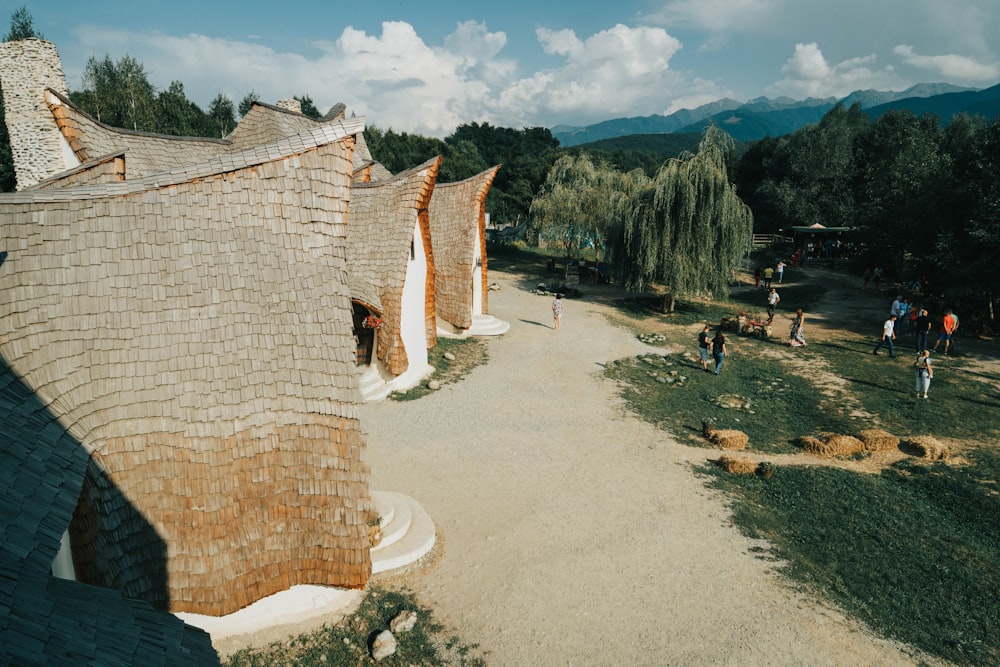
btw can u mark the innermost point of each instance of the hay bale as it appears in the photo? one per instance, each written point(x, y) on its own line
point(729, 439)
point(831, 444)
point(928, 447)
point(737, 465)
point(877, 440)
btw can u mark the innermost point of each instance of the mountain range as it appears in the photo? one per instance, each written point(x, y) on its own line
point(761, 117)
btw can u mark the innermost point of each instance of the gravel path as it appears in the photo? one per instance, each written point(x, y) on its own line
point(575, 534)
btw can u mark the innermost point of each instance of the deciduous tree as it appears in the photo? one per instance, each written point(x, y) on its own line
point(685, 229)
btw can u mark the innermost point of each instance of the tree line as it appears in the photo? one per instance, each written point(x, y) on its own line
point(922, 198)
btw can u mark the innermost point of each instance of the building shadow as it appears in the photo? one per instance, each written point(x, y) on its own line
point(112, 613)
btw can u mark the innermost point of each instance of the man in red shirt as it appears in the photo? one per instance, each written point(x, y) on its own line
point(948, 326)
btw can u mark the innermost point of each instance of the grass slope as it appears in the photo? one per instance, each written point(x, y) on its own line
point(913, 551)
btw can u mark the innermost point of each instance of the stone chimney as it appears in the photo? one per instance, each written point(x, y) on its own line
point(27, 68)
point(290, 105)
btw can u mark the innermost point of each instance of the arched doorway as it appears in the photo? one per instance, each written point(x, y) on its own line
point(364, 332)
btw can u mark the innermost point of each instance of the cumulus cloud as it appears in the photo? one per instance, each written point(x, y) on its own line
point(397, 80)
point(618, 71)
point(394, 78)
point(954, 68)
point(808, 74)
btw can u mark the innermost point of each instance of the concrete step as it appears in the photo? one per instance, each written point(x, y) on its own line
point(487, 325)
point(397, 516)
point(416, 542)
point(372, 386)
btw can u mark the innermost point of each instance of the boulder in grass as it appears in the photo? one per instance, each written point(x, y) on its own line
point(383, 646)
point(737, 465)
point(928, 447)
point(404, 622)
point(877, 440)
point(831, 444)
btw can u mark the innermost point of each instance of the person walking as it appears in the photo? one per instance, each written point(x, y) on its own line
point(772, 301)
point(888, 335)
point(779, 270)
point(925, 372)
point(704, 345)
point(557, 309)
point(948, 325)
point(768, 276)
point(796, 335)
point(923, 329)
point(719, 350)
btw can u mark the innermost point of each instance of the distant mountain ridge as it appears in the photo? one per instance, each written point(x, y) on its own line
point(762, 116)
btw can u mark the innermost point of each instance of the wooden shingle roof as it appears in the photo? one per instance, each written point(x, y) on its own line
point(458, 219)
point(191, 330)
point(380, 231)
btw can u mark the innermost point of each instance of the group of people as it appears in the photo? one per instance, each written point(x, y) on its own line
point(766, 276)
point(920, 324)
point(711, 345)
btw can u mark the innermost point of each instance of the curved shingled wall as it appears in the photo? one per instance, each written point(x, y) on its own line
point(457, 215)
point(192, 330)
point(383, 217)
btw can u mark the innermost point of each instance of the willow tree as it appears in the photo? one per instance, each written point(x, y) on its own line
point(685, 229)
point(578, 201)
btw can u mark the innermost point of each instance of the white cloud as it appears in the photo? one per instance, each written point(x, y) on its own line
point(808, 74)
point(397, 80)
point(716, 15)
point(954, 68)
point(394, 79)
point(619, 71)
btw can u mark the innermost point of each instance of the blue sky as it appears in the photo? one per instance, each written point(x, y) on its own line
point(429, 66)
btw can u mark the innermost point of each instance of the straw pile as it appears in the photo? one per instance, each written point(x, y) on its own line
point(729, 439)
point(929, 448)
point(877, 440)
point(831, 444)
point(737, 465)
point(725, 438)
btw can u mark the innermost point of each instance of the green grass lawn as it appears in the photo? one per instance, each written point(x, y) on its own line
point(468, 353)
point(913, 551)
point(782, 406)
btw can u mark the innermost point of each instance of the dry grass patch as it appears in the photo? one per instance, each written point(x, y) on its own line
point(737, 465)
point(729, 439)
point(831, 444)
point(725, 438)
point(877, 440)
point(928, 447)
